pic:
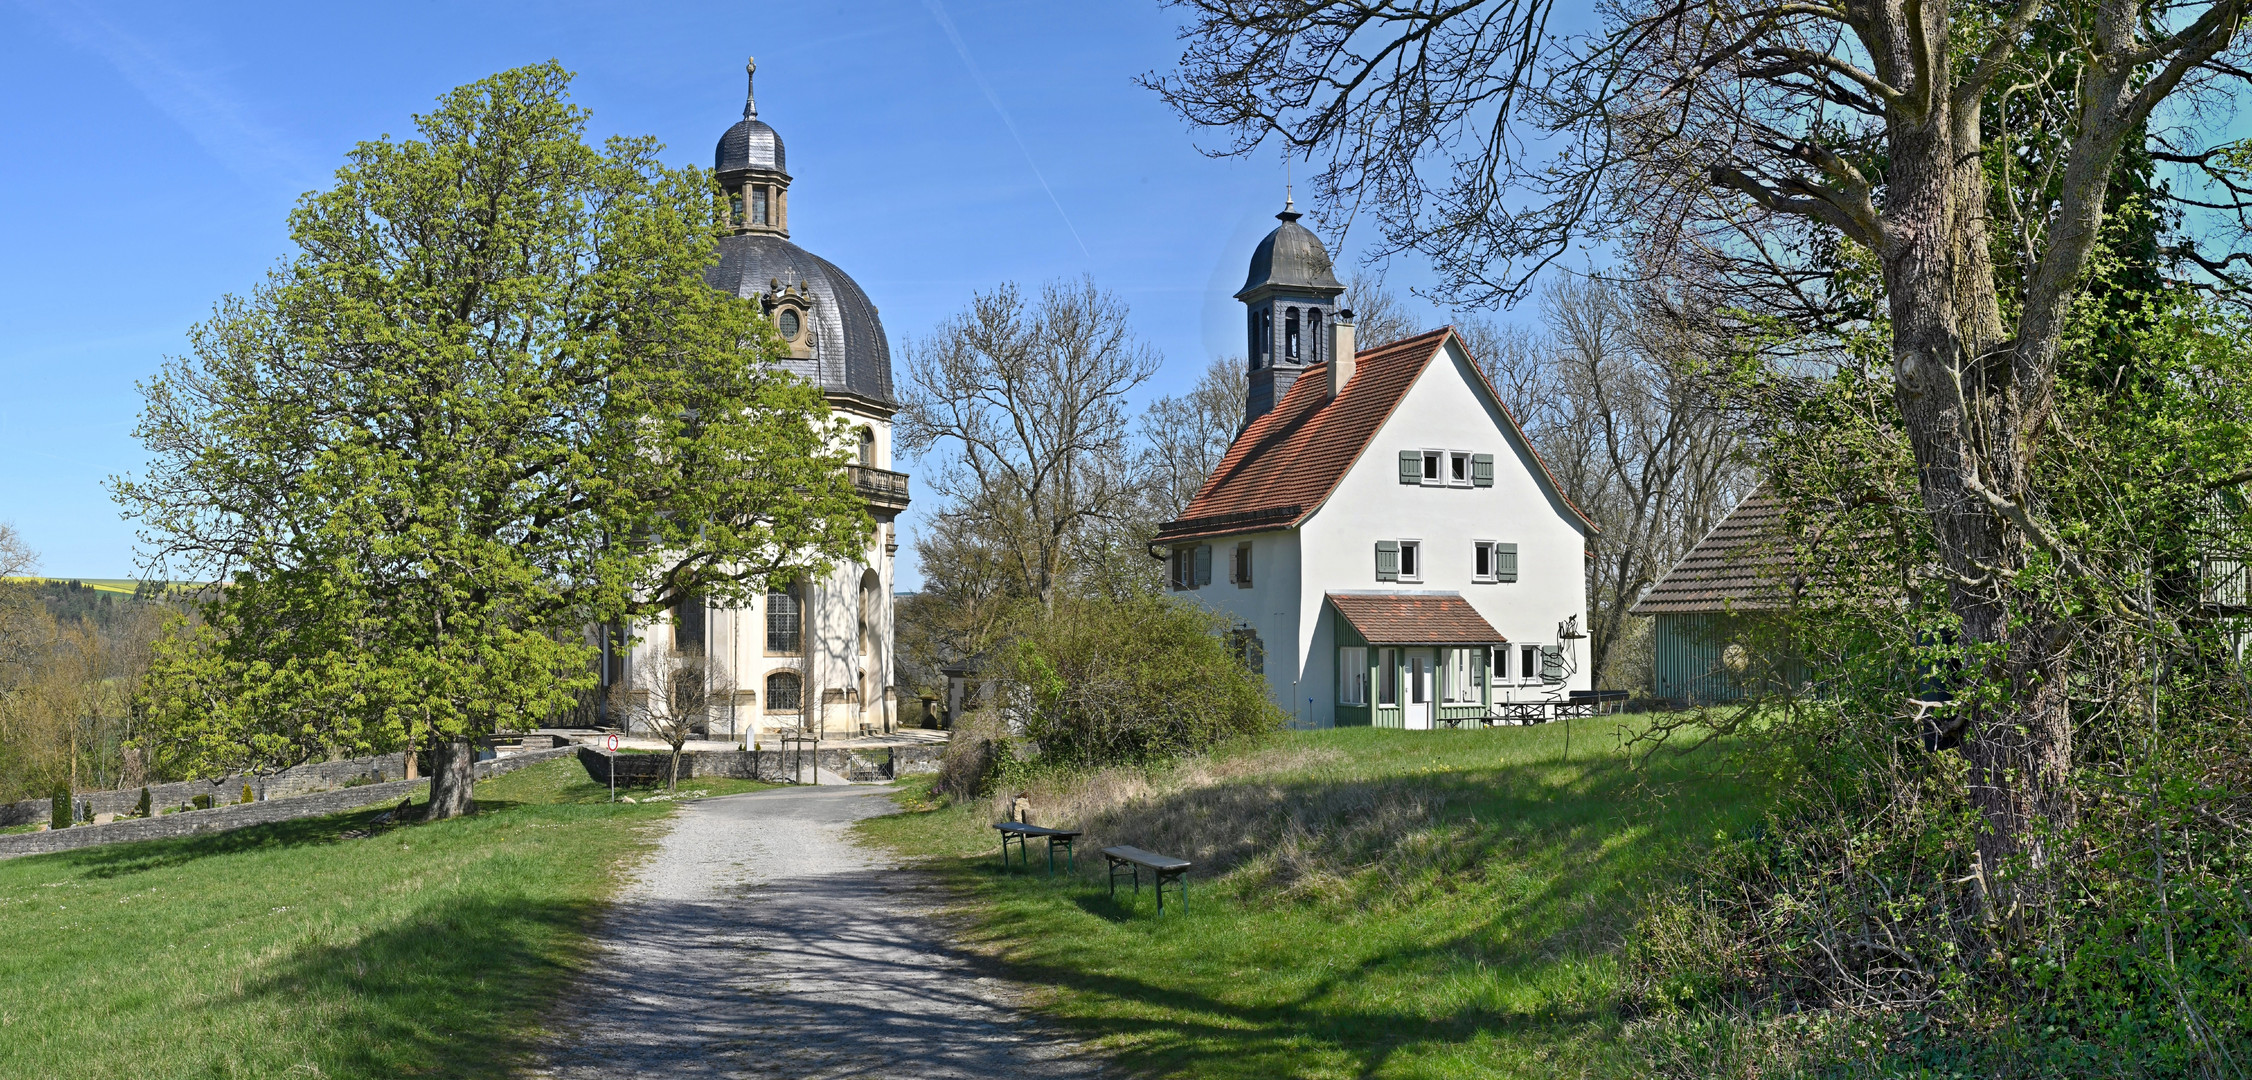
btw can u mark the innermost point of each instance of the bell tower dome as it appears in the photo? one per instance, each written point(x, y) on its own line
point(1290, 299)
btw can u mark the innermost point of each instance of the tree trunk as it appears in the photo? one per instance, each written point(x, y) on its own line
point(453, 776)
point(1965, 420)
point(413, 764)
point(674, 783)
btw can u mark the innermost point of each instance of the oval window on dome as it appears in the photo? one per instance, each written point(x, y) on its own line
point(787, 322)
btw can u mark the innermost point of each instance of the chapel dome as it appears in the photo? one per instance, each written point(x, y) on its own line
point(1291, 257)
point(849, 353)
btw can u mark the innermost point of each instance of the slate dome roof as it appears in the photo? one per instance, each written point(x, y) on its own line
point(750, 144)
point(849, 351)
point(1291, 257)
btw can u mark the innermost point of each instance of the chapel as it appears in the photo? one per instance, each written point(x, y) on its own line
point(814, 655)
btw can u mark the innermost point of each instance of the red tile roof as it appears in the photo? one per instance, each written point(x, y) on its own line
point(1286, 464)
point(1415, 619)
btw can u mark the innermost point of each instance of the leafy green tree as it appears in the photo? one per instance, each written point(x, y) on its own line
point(1106, 680)
point(490, 403)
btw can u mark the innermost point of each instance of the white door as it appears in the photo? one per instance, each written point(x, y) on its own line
point(1419, 693)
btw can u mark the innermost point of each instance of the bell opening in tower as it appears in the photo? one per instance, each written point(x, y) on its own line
point(758, 206)
point(1290, 335)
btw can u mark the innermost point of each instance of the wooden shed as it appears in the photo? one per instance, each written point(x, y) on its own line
point(1714, 634)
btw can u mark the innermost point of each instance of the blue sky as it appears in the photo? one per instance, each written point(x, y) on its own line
point(152, 152)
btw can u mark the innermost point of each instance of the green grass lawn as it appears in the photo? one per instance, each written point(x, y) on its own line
point(1478, 939)
point(324, 947)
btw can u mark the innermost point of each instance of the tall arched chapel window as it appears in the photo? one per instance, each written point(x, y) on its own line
point(868, 447)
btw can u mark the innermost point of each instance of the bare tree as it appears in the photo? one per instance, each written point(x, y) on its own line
point(1031, 401)
point(1957, 154)
point(1185, 436)
point(673, 695)
point(1380, 317)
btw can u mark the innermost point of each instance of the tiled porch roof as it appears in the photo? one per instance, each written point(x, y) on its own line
point(1415, 619)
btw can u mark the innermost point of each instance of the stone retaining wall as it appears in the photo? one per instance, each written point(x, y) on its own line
point(223, 818)
point(853, 763)
point(227, 790)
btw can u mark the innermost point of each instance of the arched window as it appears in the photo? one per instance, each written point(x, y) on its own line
point(785, 622)
point(868, 447)
point(1258, 354)
point(782, 692)
point(1313, 335)
point(1290, 335)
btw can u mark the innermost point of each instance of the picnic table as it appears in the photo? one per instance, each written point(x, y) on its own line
point(1021, 833)
point(1162, 868)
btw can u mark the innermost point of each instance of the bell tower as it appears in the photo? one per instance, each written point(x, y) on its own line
point(1290, 306)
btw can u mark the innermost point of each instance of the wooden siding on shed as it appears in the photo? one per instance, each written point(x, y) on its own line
point(1688, 658)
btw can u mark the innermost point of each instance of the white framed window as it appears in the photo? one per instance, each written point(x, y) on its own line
point(1458, 468)
point(1461, 676)
point(1191, 567)
point(1352, 675)
point(1388, 678)
point(1411, 560)
point(1501, 665)
point(1493, 561)
point(1434, 468)
point(1239, 565)
point(1528, 663)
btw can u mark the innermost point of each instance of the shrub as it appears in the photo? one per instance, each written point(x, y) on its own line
point(201, 802)
point(1103, 680)
point(58, 810)
point(246, 795)
point(974, 755)
point(146, 804)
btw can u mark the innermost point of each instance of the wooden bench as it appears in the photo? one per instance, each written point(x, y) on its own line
point(1162, 868)
point(1021, 832)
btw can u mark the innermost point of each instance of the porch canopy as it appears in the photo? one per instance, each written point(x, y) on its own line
point(1415, 619)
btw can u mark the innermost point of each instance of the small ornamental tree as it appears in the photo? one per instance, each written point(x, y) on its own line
point(490, 402)
point(1103, 680)
point(672, 696)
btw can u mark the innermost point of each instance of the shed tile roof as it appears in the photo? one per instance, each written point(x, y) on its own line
point(1415, 619)
point(1286, 464)
point(1743, 564)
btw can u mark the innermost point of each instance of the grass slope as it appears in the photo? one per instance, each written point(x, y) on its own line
point(1473, 933)
point(323, 947)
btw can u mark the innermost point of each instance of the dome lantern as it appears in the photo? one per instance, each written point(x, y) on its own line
point(751, 167)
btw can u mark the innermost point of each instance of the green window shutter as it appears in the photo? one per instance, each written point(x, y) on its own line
point(1481, 470)
point(1411, 466)
point(1387, 560)
point(1552, 663)
point(1505, 562)
point(1204, 564)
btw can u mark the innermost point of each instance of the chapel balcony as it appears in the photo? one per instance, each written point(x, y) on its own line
point(885, 490)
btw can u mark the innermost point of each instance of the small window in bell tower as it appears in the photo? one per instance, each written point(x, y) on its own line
point(758, 206)
point(735, 208)
point(1290, 335)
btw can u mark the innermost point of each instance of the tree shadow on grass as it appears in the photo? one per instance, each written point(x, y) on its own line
point(456, 991)
point(1536, 866)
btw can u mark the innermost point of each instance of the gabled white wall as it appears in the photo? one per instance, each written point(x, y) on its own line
point(1270, 606)
point(1448, 408)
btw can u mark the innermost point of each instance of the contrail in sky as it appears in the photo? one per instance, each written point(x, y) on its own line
point(946, 23)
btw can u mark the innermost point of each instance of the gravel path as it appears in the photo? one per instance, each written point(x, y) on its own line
point(760, 941)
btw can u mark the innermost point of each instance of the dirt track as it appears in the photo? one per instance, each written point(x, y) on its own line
point(760, 941)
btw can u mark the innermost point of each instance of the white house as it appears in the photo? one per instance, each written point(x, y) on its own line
point(1389, 546)
point(816, 655)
